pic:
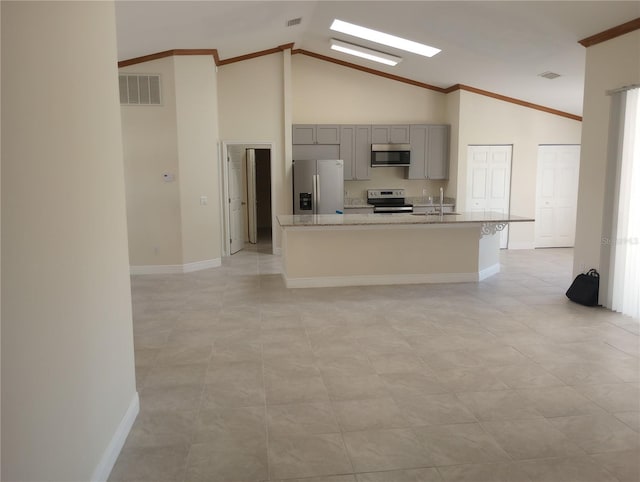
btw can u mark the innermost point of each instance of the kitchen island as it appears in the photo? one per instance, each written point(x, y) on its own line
point(375, 249)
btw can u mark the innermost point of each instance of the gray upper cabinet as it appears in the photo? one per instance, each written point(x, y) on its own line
point(316, 134)
point(390, 134)
point(355, 151)
point(438, 153)
point(417, 168)
point(328, 134)
point(363, 153)
point(429, 152)
point(304, 134)
point(429, 146)
point(347, 151)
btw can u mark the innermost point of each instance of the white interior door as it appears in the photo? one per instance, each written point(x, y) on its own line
point(236, 218)
point(489, 181)
point(251, 196)
point(557, 195)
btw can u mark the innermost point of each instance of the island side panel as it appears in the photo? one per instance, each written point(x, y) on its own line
point(489, 256)
point(325, 256)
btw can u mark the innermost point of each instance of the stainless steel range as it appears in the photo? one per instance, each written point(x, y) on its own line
point(388, 201)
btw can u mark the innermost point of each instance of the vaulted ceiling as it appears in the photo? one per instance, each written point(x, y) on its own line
point(500, 47)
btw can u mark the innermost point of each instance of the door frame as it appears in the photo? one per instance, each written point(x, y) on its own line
point(224, 191)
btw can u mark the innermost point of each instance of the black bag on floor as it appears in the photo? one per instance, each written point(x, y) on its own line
point(584, 289)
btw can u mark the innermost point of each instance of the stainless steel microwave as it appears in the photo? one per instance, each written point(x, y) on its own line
point(385, 155)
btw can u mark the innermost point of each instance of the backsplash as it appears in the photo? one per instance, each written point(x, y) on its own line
point(393, 178)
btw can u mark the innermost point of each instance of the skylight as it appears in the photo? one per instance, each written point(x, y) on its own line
point(364, 52)
point(383, 38)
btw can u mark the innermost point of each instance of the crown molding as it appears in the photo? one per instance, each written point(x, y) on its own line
point(218, 61)
point(253, 55)
point(611, 33)
point(213, 52)
point(368, 70)
point(169, 53)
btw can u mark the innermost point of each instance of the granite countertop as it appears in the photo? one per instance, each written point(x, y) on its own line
point(310, 220)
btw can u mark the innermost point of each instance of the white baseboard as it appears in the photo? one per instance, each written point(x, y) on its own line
point(110, 455)
point(372, 280)
point(200, 265)
point(487, 272)
point(176, 268)
point(522, 245)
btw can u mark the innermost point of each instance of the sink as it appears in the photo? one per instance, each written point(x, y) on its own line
point(435, 214)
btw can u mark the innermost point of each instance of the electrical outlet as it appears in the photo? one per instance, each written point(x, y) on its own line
point(583, 267)
point(155, 250)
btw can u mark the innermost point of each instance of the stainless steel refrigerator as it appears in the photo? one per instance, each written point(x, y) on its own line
point(318, 187)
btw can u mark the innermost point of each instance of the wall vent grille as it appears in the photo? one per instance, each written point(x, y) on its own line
point(140, 89)
point(294, 21)
point(549, 75)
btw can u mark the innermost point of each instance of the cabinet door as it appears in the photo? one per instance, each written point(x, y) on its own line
point(418, 168)
point(379, 134)
point(347, 150)
point(399, 134)
point(327, 134)
point(438, 152)
point(362, 152)
point(304, 134)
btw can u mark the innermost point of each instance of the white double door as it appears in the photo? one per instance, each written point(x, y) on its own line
point(489, 181)
point(557, 195)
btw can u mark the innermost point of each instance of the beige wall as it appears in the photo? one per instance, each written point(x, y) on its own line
point(167, 223)
point(484, 120)
point(609, 65)
point(197, 128)
point(251, 110)
point(150, 138)
point(67, 344)
point(327, 93)
point(452, 114)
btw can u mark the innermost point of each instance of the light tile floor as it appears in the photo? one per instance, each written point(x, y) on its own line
point(241, 379)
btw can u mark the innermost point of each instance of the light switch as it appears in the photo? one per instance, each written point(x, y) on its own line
point(204, 200)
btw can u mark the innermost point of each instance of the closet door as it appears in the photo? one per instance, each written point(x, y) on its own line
point(557, 195)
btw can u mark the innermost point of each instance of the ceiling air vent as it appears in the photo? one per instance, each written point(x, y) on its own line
point(294, 21)
point(139, 89)
point(549, 75)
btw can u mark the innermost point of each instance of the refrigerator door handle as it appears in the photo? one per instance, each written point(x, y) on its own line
point(314, 194)
point(317, 193)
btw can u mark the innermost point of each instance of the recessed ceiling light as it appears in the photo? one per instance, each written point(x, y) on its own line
point(383, 38)
point(363, 52)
